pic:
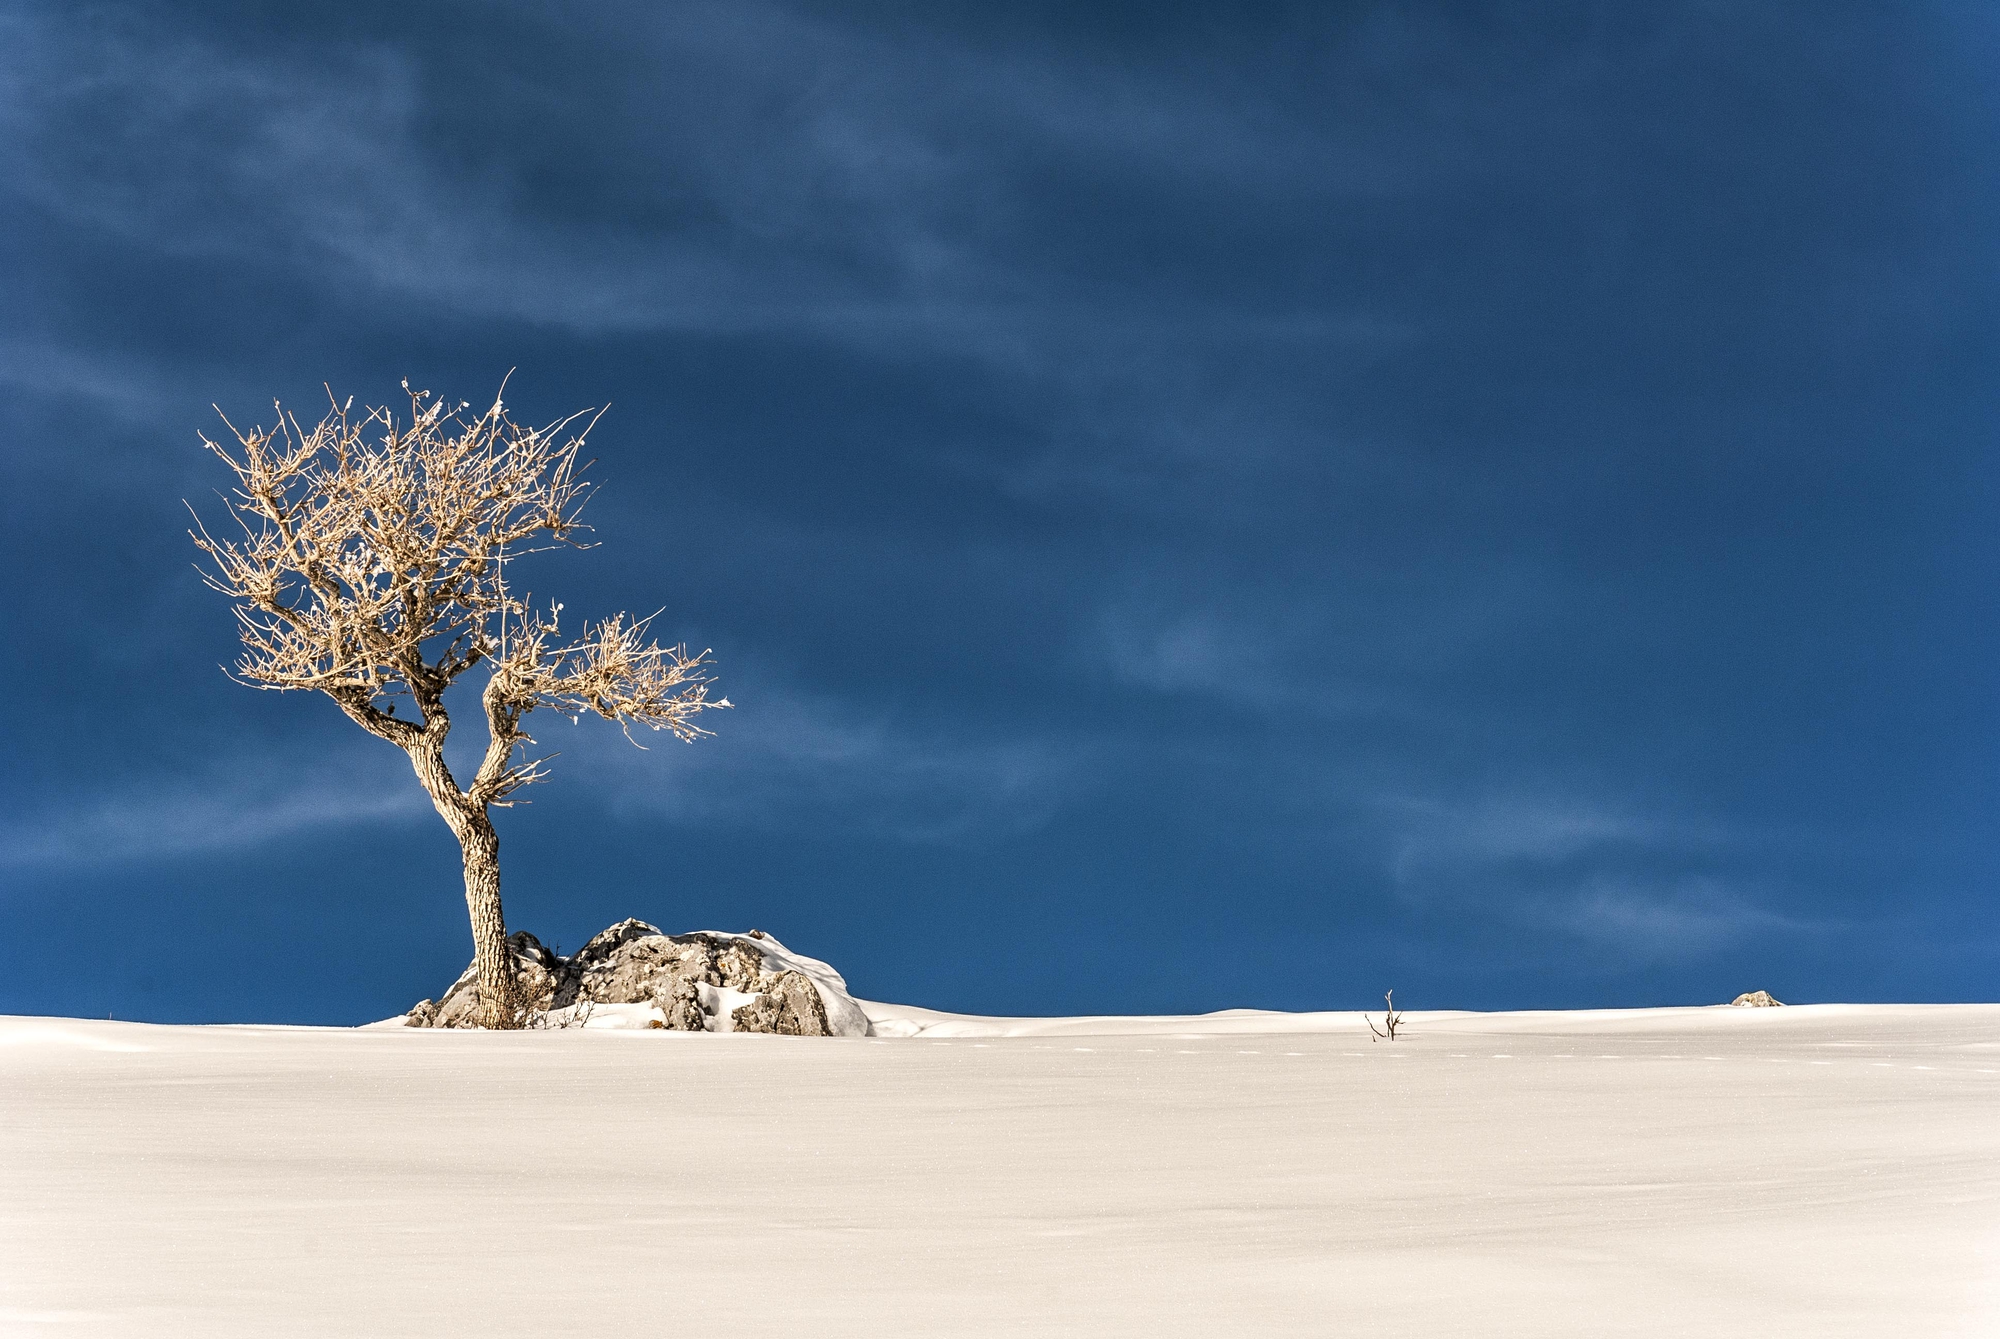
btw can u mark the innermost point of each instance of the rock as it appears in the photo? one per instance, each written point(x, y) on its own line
point(632, 962)
point(736, 964)
point(679, 1003)
point(760, 1015)
point(423, 1015)
point(628, 964)
point(606, 943)
point(697, 982)
point(791, 1008)
point(1757, 999)
point(540, 975)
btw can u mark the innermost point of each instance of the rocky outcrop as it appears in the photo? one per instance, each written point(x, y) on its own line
point(632, 961)
point(1757, 999)
point(791, 1008)
point(689, 983)
point(540, 973)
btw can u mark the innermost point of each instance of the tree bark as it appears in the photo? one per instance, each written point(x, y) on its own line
point(479, 844)
point(481, 847)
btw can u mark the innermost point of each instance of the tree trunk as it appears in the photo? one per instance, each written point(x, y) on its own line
point(481, 846)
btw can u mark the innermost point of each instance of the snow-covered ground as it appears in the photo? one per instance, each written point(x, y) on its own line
point(1825, 1171)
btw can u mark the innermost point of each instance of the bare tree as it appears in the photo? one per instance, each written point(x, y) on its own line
point(372, 567)
point(1391, 1020)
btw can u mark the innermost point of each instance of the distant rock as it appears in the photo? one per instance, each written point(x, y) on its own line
point(692, 983)
point(1757, 999)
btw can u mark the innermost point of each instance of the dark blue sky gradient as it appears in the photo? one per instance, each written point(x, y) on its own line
point(1197, 507)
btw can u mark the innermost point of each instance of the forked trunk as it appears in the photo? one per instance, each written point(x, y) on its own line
point(480, 845)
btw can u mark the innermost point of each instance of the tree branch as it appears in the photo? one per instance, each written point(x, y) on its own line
point(372, 565)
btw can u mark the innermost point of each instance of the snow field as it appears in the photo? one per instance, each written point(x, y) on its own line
point(1823, 1171)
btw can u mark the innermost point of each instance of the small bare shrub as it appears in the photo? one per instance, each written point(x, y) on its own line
point(535, 1006)
point(1391, 1020)
point(544, 1019)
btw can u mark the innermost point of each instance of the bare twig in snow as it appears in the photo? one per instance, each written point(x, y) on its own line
point(1391, 1020)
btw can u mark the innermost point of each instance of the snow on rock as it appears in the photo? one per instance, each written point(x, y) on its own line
point(1757, 999)
point(706, 981)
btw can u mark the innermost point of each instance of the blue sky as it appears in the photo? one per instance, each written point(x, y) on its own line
point(1196, 506)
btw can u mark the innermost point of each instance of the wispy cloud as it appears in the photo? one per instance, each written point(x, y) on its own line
point(1665, 920)
point(795, 761)
point(1188, 652)
point(128, 389)
point(1337, 645)
point(784, 760)
point(1429, 834)
point(159, 819)
point(1624, 881)
point(871, 203)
